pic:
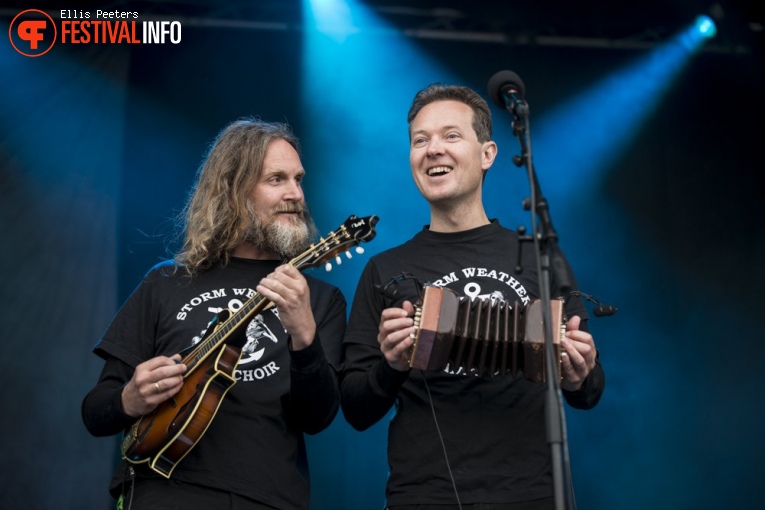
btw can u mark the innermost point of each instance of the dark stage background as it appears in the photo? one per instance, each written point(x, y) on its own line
point(99, 145)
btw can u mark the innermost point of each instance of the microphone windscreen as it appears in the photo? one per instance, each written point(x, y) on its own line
point(500, 82)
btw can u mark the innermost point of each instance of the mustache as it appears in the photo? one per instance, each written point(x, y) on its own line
point(290, 208)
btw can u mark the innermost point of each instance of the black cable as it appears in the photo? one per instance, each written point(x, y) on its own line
point(131, 472)
point(441, 438)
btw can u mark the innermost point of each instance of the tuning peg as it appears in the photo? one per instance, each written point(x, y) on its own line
point(359, 250)
point(328, 267)
point(348, 254)
point(338, 260)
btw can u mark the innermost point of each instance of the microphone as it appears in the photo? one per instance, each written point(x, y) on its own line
point(600, 309)
point(506, 89)
point(390, 289)
point(604, 310)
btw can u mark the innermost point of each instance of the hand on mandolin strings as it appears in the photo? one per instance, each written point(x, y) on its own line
point(577, 355)
point(153, 382)
point(395, 335)
point(287, 288)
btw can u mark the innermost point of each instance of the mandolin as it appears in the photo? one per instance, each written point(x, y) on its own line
point(165, 436)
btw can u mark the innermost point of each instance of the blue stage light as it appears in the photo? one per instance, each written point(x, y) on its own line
point(706, 26)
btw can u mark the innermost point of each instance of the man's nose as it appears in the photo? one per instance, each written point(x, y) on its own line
point(435, 146)
point(294, 191)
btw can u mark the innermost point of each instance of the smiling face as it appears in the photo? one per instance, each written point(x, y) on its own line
point(447, 159)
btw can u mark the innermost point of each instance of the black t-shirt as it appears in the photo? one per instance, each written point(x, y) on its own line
point(493, 426)
point(254, 446)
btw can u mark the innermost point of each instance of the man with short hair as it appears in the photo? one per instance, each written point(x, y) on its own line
point(460, 439)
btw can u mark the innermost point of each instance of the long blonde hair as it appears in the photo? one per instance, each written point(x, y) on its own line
point(214, 219)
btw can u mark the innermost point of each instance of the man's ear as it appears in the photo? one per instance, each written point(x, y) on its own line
point(488, 154)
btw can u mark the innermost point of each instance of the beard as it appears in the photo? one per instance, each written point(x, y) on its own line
point(288, 241)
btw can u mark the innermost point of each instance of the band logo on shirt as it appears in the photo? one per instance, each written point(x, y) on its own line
point(473, 289)
point(259, 335)
point(257, 331)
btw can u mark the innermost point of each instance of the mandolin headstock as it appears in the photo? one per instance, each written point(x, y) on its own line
point(350, 234)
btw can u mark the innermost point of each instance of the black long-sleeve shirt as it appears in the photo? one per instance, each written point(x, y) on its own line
point(254, 445)
point(491, 427)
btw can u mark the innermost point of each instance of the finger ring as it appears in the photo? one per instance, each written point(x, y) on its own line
point(156, 385)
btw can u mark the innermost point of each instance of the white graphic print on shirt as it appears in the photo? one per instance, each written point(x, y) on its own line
point(259, 336)
point(473, 290)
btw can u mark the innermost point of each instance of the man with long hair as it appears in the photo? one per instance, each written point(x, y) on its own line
point(461, 438)
point(246, 216)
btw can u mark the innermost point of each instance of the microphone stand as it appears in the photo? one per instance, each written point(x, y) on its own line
point(549, 258)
